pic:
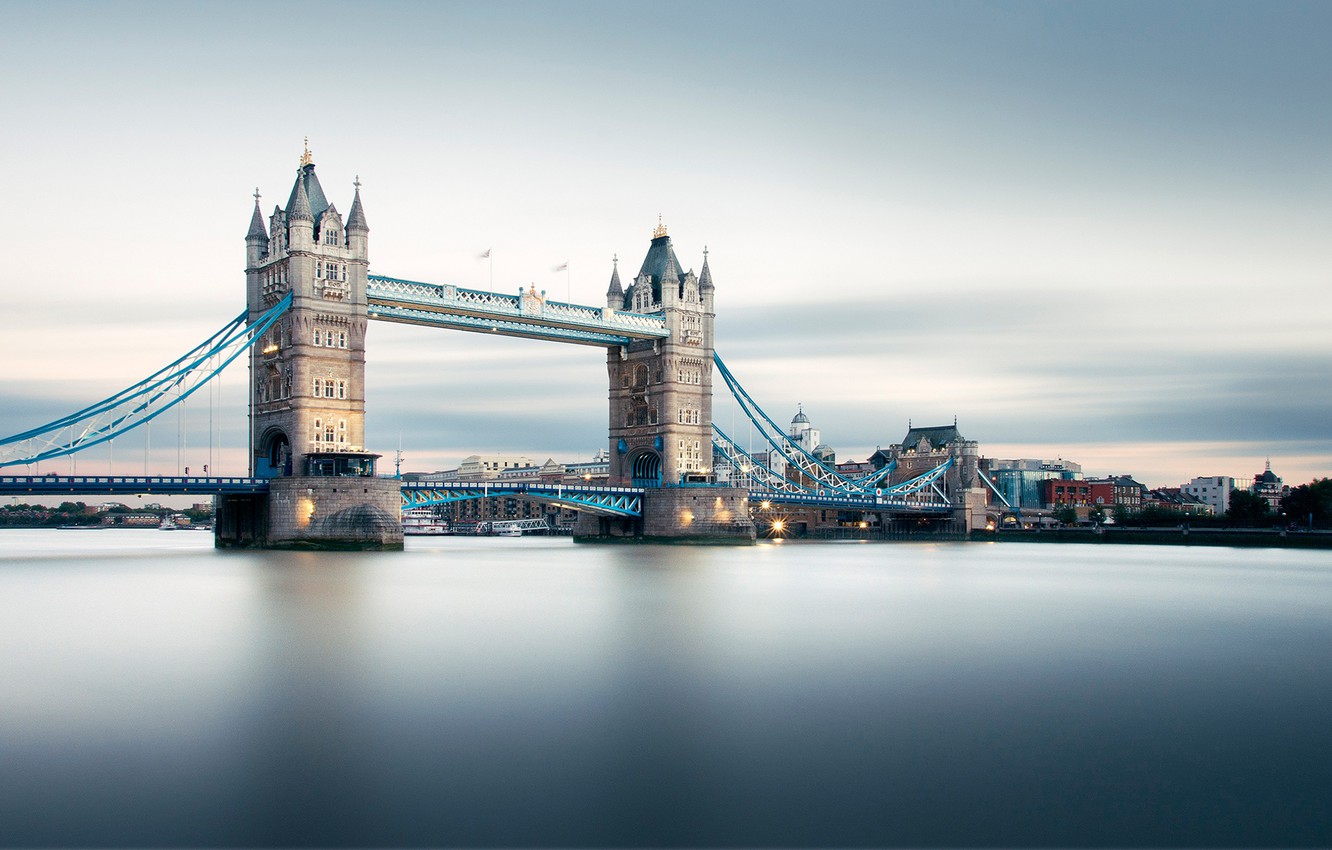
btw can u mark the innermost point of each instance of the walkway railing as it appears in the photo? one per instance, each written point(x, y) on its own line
point(527, 314)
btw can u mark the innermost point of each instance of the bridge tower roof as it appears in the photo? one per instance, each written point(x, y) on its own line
point(316, 203)
point(257, 230)
point(356, 218)
point(661, 263)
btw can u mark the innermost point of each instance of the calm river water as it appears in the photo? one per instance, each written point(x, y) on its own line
point(530, 691)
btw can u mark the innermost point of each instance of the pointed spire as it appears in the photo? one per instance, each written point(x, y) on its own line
point(299, 209)
point(356, 218)
point(615, 290)
point(257, 230)
point(705, 276)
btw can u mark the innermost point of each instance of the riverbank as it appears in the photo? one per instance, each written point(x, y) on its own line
point(1239, 537)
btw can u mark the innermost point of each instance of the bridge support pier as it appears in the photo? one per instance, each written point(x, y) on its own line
point(708, 515)
point(314, 512)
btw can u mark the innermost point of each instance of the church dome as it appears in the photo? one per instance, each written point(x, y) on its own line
point(800, 418)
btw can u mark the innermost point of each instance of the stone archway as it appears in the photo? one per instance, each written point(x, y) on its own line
point(273, 460)
point(647, 470)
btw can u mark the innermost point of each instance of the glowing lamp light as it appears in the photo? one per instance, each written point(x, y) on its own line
point(778, 525)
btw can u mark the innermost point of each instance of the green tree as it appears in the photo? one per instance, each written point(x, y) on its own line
point(1065, 515)
point(1312, 500)
point(1247, 510)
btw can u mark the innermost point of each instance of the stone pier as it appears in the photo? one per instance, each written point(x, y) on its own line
point(314, 512)
point(687, 514)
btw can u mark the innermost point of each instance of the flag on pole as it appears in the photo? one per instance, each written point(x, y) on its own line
point(485, 255)
point(562, 267)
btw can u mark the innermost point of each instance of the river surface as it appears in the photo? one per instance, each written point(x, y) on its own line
point(532, 691)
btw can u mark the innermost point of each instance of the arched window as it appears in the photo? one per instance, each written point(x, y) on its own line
point(342, 389)
point(318, 387)
point(342, 339)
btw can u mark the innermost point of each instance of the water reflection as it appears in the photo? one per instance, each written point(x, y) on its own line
point(488, 692)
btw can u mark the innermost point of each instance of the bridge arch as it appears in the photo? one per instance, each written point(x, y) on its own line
point(273, 454)
point(646, 466)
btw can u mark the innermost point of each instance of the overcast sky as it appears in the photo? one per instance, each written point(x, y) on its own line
point(1096, 231)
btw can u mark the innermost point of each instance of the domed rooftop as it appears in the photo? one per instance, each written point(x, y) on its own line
point(800, 417)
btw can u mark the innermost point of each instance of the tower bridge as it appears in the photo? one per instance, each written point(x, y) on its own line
point(312, 481)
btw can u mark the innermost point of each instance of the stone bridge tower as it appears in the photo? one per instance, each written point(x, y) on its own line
point(308, 373)
point(307, 382)
point(661, 391)
point(661, 407)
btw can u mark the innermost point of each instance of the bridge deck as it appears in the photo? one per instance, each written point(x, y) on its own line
point(527, 314)
point(49, 485)
point(611, 501)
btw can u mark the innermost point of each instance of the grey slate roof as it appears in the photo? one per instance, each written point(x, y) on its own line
point(298, 207)
point(661, 264)
point(939, 436)
point(356, 218)
point(615, 289)
point(257, 230)
point(705, 276)
point(316, 203)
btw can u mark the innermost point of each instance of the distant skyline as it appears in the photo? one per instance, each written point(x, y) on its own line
point(1095, 231)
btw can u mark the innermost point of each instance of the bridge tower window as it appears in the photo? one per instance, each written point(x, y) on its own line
point(342, 339)
point(342, 389)
point(318, 337)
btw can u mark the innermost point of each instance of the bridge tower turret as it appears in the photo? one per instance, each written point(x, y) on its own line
point(661, 405)
point(307, 374)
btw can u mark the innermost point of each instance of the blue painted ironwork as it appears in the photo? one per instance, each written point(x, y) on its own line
point(865, 502)
point(753, 472)
point(994, 489)
point(606, 501)
point(51, 485)
point(795, 454)
point(527, 314)
point(141, 402)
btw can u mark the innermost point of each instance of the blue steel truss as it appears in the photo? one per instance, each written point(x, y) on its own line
point(53, 485)
point(933, 503)
point(796, 455)
point(142, 402)
point(605, 501)
point(818, 481)
point(527, 314)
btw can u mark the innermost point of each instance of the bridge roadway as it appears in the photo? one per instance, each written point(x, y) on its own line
point(603, 500)
point(527, 314)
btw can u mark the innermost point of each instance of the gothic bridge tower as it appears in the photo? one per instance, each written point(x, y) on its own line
point(307, 383)
point(661, 392)
point(661, 409)
point(308, 372)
